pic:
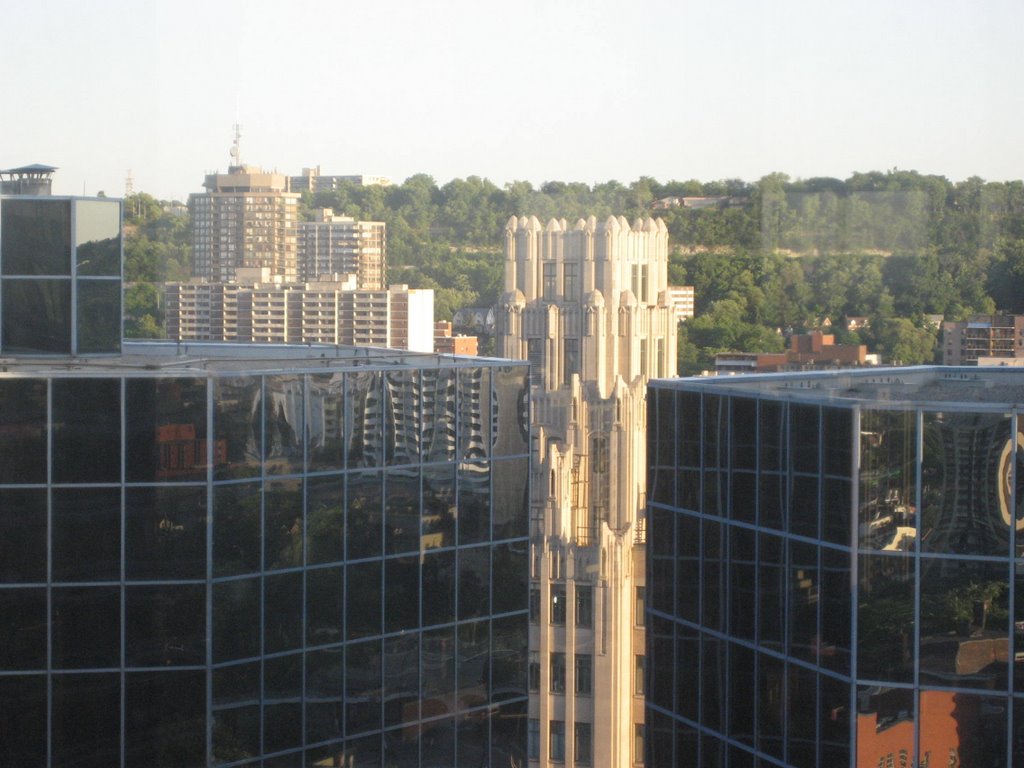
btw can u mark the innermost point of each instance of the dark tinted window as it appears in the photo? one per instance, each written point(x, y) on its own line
point(86, 430)
point(37, 316)
point(36, 237)
point(23, 426)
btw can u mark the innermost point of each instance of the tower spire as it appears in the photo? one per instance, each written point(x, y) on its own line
point(236, 152)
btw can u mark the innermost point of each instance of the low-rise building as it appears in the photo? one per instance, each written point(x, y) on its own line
point(982, 336)
point(806, 352)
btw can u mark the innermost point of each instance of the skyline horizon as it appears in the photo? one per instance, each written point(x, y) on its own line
point(566, 90)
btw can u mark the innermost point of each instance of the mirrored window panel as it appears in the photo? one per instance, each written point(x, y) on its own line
point(964, 623)
point(165, 719)
point(284, 424)
point(82, 732)
point(36, 315)
point(402, 419)
point(402, 680)
point(236, 529)
point(86, 534)
point(363, 687)
point(510, 414)
point(402, 511)
point(365, 514)
point(474, 502)
point(966, 483)
point(886, 719)
point(885, 618)
point(85, 625)
point(510, 585)
point(888, 484)
point(23, 425)
point(325, 422)
point(474, 596)
point(236, 712)
point(237, 426)
point(282, 703)
point(508, 657)
point(474, 404)
point(236, 619)
point(165, 625)
point(325, 519)
point(438, 649)
point(23, 535)
point(165, 434)
point(282, 612)
point(363, 608)
point(438, 506)
point(511, 502)
point(98, 316)
point(438, 403)
point(325, 694)
point(836, 607)
point(37, 237)
point(23, 631)
point(23, 708)
point(282, 524)
point(86, 430)
point(401, 594)
point(364, 419)
point(325, 605)
point(98, 237)
point(165, 532)
point(438, 587)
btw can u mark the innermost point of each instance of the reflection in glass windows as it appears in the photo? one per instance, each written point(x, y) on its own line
point(36, 237)
point(236, 529)
point(966, 483)
point(86, 534)
point(166, 431)
point(238, 426)
point(888, 486)
point(284, 427)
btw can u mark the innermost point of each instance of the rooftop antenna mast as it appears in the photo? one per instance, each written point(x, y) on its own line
point(236, 152)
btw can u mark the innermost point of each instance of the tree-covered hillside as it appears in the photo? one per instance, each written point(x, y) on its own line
point(766, 256)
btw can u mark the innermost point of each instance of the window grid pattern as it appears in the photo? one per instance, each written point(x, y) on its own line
point(212, 570)
point(763, 514)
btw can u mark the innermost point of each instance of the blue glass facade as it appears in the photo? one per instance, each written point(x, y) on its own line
point(836, 569)
point(279, 557)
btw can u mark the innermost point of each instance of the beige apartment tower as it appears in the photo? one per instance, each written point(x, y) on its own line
point(588, 305)
point(247, 218)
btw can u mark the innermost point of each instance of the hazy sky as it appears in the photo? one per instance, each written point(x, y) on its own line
point(570, 90)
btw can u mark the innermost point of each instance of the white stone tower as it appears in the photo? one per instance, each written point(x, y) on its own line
point(588, 306)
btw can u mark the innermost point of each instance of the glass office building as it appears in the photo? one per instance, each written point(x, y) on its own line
point(836, 569)
point(246, 555)
point(60, 275)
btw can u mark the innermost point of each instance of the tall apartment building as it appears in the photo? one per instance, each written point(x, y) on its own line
point(247, 218)
point(983, 336)
point(587, 306)
point(834, 569)
point(242, 555)
point(331, 244)
point(256, 308)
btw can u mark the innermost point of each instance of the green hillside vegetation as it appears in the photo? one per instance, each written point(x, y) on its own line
point(764, 257)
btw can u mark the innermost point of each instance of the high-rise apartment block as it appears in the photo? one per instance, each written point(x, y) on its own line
point(835, 569)
point(256, 308)
point(247, 218)
point(341, 245)
point(983, 339)
point(587, 306)
point(247, 555)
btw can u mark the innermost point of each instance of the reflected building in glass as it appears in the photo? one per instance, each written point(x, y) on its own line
point(836, 569)
point(256, 555)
